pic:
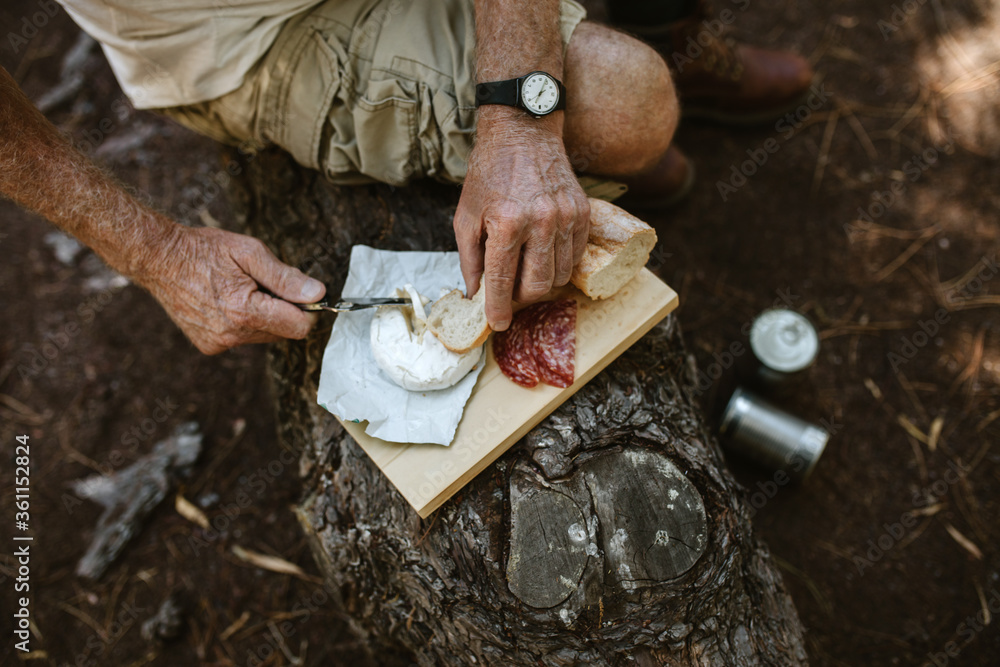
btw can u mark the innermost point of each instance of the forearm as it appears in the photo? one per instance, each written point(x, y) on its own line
point(514, 37)
point(41, 171)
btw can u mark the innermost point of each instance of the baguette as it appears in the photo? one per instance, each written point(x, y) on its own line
point(617, 248)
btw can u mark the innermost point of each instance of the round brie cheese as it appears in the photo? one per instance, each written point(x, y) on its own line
point(414, 358)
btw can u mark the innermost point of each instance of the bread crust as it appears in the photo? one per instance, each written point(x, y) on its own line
point(612, 230)
point(479, 340)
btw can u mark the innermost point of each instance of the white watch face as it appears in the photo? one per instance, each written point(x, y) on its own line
point(539, 93)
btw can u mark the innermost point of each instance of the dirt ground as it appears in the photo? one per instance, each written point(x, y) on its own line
point(873, 211)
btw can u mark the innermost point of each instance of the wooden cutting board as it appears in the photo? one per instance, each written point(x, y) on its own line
point(500, 412)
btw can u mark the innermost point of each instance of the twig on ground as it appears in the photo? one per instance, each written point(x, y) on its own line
point(129, 495)
point(859, 132)
point(918, 455)
point(239, 427)
point(71, 76)
point(915, 109)
point(72, 452)
point(85, 617)
point(970, 374)
point(278, 637)
point(891, 267)
point(824, 603)
point(23, 414)
point(919, 530)
point(907, 387)
point(824, 151)
point(871, 328)
point(235, 626)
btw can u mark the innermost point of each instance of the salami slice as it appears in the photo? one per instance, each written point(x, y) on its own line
point(513, 348)
point(554, 343)
point(540, 344)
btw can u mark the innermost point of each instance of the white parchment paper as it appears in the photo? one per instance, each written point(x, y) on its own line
point(353, 387)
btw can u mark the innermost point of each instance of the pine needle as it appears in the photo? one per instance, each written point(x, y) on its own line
point(935, 433)
point(964, 541)
point(873, 388)
point(271, 563)
point(911, 428)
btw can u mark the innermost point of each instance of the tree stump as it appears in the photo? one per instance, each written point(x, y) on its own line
point(611, 532)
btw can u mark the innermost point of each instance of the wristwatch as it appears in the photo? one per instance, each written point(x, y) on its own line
point(538, 93)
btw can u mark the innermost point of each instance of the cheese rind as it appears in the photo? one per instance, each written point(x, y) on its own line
point(409, 358)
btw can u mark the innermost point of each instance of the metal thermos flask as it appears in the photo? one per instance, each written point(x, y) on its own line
point(770, 436)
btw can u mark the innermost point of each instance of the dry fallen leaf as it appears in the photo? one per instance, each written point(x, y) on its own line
point(190, 512)
point(272, 563)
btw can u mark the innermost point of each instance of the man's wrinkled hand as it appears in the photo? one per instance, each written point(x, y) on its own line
point(208, 281)
point(522, 220)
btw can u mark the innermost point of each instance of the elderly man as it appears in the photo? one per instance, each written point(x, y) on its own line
point(502, 96)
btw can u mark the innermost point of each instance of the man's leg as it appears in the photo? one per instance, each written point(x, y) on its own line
point(621, 109)
point(621, 114)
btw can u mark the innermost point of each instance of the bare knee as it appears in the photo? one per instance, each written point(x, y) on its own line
point(621, 108)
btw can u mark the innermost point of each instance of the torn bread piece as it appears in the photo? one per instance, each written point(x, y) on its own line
point(617, 248)
point(408, 356)
point(459, 323)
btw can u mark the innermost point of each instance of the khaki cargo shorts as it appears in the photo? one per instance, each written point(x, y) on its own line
point(364, 90)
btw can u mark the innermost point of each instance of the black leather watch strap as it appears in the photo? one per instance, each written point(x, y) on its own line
point(498, 92)
point(561, 104)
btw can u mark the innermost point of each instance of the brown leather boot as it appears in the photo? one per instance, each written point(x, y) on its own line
point(721, 80)
point(664, 185)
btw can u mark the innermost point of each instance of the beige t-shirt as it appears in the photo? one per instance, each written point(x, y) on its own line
point(172, 52)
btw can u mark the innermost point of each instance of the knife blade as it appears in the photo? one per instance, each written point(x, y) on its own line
point(344, 304)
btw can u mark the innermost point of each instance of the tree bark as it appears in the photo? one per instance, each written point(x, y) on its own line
point(612, 532)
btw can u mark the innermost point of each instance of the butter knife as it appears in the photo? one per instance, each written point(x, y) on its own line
point(344, 304)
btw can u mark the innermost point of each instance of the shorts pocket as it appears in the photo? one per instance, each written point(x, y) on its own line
point(385, 126)
point(305, 81)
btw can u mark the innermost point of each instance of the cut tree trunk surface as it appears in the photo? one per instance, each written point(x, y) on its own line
point(611, 533)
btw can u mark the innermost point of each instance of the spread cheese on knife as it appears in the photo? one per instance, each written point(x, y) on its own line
point(411, 359)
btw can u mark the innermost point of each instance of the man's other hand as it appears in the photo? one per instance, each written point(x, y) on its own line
point(522, 220)
point(208, 282)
